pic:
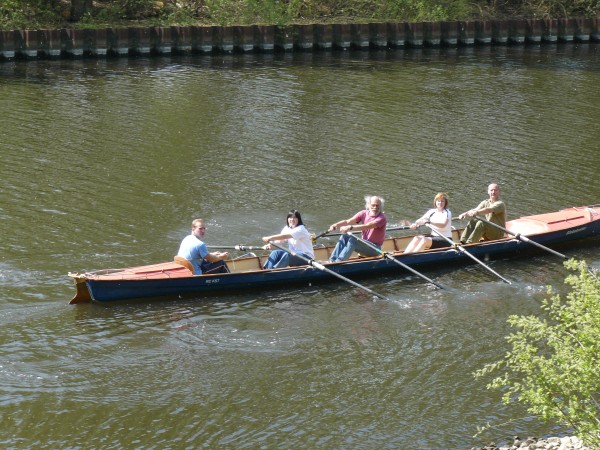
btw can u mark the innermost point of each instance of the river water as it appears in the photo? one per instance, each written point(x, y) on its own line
point(106, 162)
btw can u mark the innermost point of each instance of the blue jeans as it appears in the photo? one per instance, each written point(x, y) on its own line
point(348, 244)
point(279, 258)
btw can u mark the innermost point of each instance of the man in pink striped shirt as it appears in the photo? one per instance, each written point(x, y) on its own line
point(371, 222)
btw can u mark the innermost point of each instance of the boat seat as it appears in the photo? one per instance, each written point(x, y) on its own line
point(388, 245)
point(184, 262)
point(456, 235)
point(246, 264)
point(402, 242)
point(321, 254)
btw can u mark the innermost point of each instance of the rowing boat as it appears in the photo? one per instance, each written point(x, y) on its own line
point(174, 279)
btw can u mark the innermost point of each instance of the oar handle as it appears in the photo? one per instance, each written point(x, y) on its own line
point(324, 233)
point(327, 233)
point(239, 247)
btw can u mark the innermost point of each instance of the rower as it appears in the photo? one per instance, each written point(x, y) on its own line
point(494, 210)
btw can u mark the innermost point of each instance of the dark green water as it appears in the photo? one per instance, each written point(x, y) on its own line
point(105, 163)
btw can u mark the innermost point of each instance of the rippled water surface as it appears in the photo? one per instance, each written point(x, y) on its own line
point(105, 163)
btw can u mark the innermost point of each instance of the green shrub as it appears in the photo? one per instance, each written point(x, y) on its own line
point(28, 14)
point(539, 8)
point(54, 13)
point(554, 365)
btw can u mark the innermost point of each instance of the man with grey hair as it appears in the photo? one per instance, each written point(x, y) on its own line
point(494, 210)
point(371, 222)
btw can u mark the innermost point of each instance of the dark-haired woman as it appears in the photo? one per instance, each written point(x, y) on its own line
point(298, 239)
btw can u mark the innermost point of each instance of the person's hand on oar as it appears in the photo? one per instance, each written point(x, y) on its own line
point(441, 218)
point(298, 240)
point(494, 209)
point(371, 222)
point(324, 233)
point(393, 228)
point(401, 225)
point(267, 246)
point(193, 249)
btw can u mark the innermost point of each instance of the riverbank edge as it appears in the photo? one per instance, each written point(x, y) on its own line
point(160, 41)
point(532, 443)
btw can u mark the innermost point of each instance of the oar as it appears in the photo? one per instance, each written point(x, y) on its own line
point(327, 233)
point(400, 227)
point(464, 252)
point(313, 263)
point(239, 247)
point(520, 237)
point(320, 235)
point(401, 264)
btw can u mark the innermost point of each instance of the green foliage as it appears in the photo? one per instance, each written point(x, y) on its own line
point(282, 12)
point(554, 365)
point(73, 13)
point(108, 11)
point(539, 8)
point(28, 14)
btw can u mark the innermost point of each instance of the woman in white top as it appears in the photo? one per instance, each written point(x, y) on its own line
point(440, 219)
point(299, 242)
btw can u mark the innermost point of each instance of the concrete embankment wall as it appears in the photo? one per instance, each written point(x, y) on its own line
point(107, 42)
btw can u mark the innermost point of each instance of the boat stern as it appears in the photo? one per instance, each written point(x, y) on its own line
point(82, 294)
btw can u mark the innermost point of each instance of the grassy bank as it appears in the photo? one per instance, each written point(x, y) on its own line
point(30, 14)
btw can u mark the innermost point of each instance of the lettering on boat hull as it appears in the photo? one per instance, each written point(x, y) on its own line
point(577, 230)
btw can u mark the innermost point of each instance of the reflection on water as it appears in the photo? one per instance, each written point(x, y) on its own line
point(105, 163)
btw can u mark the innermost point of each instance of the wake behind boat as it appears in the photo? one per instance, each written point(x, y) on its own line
point(175, 279)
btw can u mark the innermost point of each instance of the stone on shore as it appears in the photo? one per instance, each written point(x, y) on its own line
point(531, 443)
